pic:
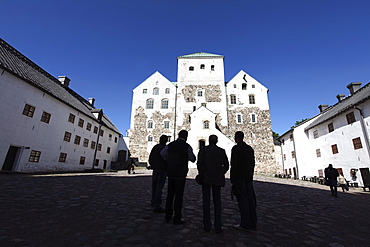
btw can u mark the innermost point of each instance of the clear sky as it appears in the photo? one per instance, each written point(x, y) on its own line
point(304, 51)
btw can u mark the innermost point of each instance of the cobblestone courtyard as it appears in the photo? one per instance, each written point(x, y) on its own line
point(113, 209)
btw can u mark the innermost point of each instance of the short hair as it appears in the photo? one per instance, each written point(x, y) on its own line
point(239, 135)
point(163, 139)
point(213, 139)
point(183, 134)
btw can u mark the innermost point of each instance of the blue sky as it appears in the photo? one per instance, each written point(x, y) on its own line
point(306, 51)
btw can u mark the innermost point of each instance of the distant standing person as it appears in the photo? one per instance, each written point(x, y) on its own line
point(331, 175)
point(213, 163)
point(241, 176)
point(177, 154)
point(159, 166)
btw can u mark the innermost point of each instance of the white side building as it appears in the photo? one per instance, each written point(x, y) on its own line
point(45, 125)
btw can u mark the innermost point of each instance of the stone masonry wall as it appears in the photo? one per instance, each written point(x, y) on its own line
point(212, 93)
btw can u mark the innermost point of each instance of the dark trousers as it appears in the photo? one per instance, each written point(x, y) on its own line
point(333, 186)
point(216, 194)
point(175, 195)
point(158, 181)
point(247, 204)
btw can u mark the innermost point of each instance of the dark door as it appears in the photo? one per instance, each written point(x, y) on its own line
point(365, 176)
point(10, 158)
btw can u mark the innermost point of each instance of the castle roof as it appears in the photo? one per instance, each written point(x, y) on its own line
point(200, 54)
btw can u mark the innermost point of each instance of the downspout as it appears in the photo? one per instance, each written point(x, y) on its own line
point(174, 127)
point(295, 156)
point(227, 111)
point(97, 139)
point(363, 127)
point(282, 156)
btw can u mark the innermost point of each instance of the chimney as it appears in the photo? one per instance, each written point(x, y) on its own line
point(64, 80)
point(340, 97)
point(323, 107)
point(92, 101)
point(353, 87)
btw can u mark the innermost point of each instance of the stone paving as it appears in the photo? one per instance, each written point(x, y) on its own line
point(113, 209)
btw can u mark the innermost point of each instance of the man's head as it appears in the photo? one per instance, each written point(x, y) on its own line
point(183, 134)
point(163, 139)
point(239, 136)
point(213, 139)
point(330, 166)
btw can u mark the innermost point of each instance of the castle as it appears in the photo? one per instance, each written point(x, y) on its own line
point(204, 104)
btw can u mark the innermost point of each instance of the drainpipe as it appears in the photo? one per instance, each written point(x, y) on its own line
point(227, 112)
point(282, 156)
point(100, 116)
point(295, 156)
point(174, 124)
point(363, 127)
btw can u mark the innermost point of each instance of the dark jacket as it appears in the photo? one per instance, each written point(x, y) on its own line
point(212, 160)
point(242, 162)
point(178, 158)
point(156, 161)
point(331, 173)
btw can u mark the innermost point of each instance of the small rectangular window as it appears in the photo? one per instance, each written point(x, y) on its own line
point(315, 134)
point(145, 91)
point(34, 156)
point(232, 99)
point(45, 117)
point(212, 67)
point(330, 127)
point(318, 153)
point(28, 110)
point(334, 148)
point(166, 124)
point(82, 160)
point(95, 129)
point(86, 142)
point(77, 140)
point(88, 126)
point(62, 157)
point(351, 118)
point(101, 132)
point(81, 122)
point(293, 154)
point(244, 86)
point(71, 118)
point(253, 118)
point(110, 137)
point(108, 150)
point(93, 145)
point(99, 147)
point(67, 136)
point(96, 162)
point(115, 139)
point(357, 143)
point(239, 118)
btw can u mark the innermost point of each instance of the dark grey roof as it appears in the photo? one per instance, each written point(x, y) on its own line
point(19, 65)
point(355, 99)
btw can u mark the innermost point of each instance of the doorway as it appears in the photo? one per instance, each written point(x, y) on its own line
point(10, 158)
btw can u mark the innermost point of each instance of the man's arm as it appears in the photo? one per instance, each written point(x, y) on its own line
point(225, 161)
point(164, 153)
point(191, 155)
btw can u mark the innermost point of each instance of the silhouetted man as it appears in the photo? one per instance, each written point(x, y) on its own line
point(331, 175)
point(177, 154)
point(241, 176)
point(159, 166)
point(213, 163)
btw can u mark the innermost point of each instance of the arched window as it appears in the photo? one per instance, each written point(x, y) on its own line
point(206, 125)
point(244, 86)
point(191, 68)
point(202, 66)
point(150, 138)
point(252, 100)
point(212, 67)
point(144, 91)
point(155, 91)
point(253, 118)
point(150, 124)
point(232, 99)
point(167, 91)
point(164, 104)
point(149, 103)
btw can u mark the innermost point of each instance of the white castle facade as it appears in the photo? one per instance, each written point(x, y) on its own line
point(201, 102)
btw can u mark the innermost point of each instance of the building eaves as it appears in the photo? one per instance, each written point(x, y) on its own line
point(200, 54)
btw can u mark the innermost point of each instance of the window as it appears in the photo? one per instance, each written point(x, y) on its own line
point(350, 118)
point(206, 125)
point(62, 157)
point(166, 124)
point(212, 67)
point(88, 126)
point(291, 137)
point(71, 118)
point(150, 138)
point(28, 110)
point(284, 156)
point(200, 93)
point(150, 124)
point(334, 148)
point(232, 99)
point(202, 66)
point(93, 145)
point(34, 156)
point(99, 147)
point(155, 91)
point(86, 142)
point(234, 85)
point(81, 123)
point(108, 150)
point(149, 104)
point(96, 162)
point(145, 91)
point(101, 132)
point(95, 129)
point(244, 86)
point(318, 153)
point(191, 68)
point(82, 160)
point(252, 100)
point(67, 136)
point(164, 104)
point(77, 140)
point(167, 91)
point(253, 86)
point(253, 118)
point(293, 154)
point(115, 139)
point(357, 143)
point(315, 134)
point(110, 137)
point(45, 117)
point(330, 127)
point(239, 118)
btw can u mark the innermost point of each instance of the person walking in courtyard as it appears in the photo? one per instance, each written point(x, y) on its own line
point(213, 163)
point(159, 166)
point(331, 175)
point(241, 176)
point(177, 154)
